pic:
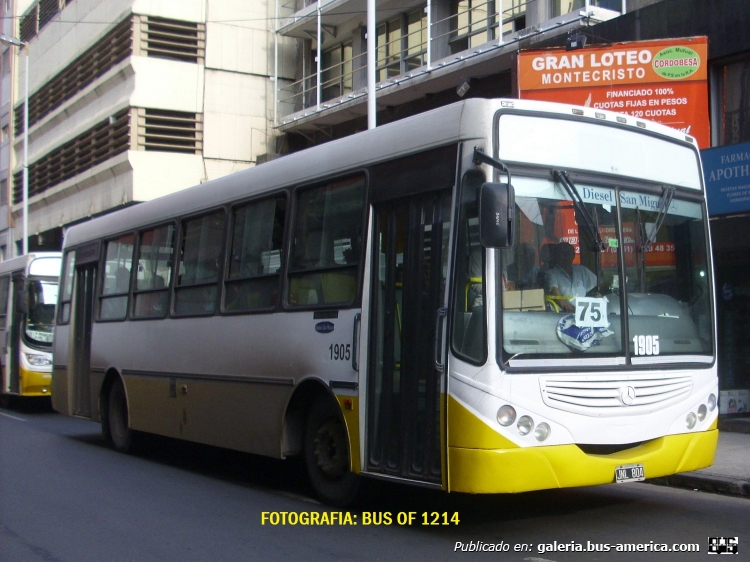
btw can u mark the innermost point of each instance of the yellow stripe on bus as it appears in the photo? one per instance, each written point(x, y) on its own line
point(350, 410)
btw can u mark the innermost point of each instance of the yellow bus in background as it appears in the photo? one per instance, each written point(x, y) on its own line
point(28, 295)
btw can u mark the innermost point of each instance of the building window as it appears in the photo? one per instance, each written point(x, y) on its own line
point(401, 44)
point(473, 23)
point(336, 75)
point(416, 40)
point(514, 15)
point(3, 192)
point(562, 7)
point(734, 85)
point(389, 49)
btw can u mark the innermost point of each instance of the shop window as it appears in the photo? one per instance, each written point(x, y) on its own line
point(734, 85)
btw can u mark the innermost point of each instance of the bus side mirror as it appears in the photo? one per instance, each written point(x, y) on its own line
point(496, 212)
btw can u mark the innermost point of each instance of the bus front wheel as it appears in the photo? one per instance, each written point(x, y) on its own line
point(121, 436)
point(327, 454)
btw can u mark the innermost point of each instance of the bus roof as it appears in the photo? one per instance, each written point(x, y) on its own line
point(457, 122)
point(20, 263)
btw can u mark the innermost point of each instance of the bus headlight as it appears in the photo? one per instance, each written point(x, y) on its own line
point(525, 425)
point(506, 415)
point(38, 360)
point(711, 402)
point(542, 431)
point(702, 411)
point(690, 420)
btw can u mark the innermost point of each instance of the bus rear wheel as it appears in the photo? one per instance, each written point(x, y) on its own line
point(327, 454)
point(120, 435)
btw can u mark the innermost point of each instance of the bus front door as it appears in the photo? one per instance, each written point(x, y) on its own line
point(83, 311)
point(407, 321)
point(14, 332)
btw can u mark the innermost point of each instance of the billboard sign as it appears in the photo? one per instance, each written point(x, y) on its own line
point(664, 81)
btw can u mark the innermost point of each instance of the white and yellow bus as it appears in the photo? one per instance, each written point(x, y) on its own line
point(28, 294)
point(393, 305)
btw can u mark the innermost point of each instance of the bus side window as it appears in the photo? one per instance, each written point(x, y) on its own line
point(116, 281)
point(200, 265)
point(154, 272)
point(469, 330)
point(66, 291)
point(326, 244)
point(255, 256)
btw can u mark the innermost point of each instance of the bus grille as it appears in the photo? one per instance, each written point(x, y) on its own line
point(615, 396)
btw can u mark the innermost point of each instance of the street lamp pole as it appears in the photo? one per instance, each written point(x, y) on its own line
point(5, 40)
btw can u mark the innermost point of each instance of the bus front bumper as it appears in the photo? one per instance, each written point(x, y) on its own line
point(34, 383)
point(489, 471)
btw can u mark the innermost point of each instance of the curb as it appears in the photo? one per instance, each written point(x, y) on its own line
point(712, 484)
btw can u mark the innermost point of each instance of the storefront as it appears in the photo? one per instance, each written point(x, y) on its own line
point(727, 175)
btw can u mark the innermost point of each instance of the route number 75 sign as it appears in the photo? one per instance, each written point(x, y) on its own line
point(591, 312)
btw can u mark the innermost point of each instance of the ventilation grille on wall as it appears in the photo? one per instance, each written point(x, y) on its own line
point(38, 15)
point(170, 131)
point(105, 140)
point(105, 54)
point(173, 39)
point(29, 23)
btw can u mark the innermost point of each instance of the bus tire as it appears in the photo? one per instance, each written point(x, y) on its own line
point(327, 454)
point(120, 435)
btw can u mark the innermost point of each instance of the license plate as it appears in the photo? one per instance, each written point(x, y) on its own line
point(630, 473)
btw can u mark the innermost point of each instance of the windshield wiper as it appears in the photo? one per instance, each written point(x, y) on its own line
point(587, 220)
point(641, 249)
point(664, 203)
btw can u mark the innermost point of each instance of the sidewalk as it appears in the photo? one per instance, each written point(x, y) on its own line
point(730, 473)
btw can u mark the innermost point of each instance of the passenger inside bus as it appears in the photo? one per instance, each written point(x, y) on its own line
point(524, 273)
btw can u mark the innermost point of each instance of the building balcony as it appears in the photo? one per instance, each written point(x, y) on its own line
point(464, 44)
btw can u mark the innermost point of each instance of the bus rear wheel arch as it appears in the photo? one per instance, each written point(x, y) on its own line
point(326, 452)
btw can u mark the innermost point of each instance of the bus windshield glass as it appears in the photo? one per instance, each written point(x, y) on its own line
point(40, 318)
point(578, 260)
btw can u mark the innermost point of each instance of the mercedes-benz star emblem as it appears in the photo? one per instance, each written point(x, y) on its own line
point(627, 395)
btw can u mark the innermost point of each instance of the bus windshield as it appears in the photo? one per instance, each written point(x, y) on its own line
point(40, 319)
point(578, 259)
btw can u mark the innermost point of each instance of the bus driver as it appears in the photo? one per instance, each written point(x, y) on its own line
point(567, 279)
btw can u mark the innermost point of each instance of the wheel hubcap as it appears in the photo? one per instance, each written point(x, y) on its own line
point(330, 450)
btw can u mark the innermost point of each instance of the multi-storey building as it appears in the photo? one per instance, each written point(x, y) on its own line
point(128, 100)
point(429, 53)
